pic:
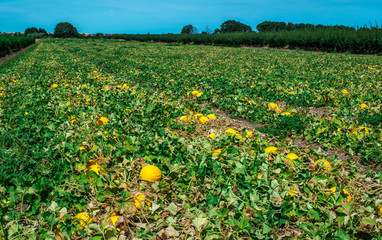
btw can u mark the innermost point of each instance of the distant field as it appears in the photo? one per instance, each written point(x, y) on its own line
point(80, 118)
point(363, 40)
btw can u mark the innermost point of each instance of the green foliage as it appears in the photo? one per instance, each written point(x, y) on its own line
point(189, 29)
point(36, 35)
point(323, 39)
point(374, 119)
point(286, 126)
point(234, 26)
point(42, 31)
point(30, 31)
point(269, 26)
point(34, 32)
point(52, 99)
point(10, 44)
point(65, 30)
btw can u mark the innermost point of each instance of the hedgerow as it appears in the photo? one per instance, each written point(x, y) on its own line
point(9, 43)
point(333, 40)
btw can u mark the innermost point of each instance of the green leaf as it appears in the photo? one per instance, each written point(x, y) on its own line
point(212, 199)
point(172, 208)
point(266, 229)
point(199, 222)
point(150, 107)
point(315, 215)
point(174, 168)
point(342, 234)
point(341, 212)
point(101, 197)
point(368, 220)
point(95, 228)
point(94, 148)
point(212, 237)
point(96, 237)
point(53, 206)
point(348, 207)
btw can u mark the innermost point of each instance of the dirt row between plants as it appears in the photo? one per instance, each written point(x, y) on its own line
point(15, 54)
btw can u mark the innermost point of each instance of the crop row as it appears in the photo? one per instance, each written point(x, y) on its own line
point(10, 44)
point(332, 40)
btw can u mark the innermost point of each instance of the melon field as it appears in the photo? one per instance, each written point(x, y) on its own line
point(248, 143)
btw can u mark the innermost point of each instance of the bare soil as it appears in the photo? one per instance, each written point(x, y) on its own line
point(237, 122)
point(321, 111)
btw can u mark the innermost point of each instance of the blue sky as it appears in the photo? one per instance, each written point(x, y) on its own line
point(169, 16)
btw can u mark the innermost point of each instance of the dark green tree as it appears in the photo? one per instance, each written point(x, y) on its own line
point(30, 31)
point(268, 26)
point(189, 29)
point(36, 33)
point(43, 31)
point(65, 30)
point(234, 26)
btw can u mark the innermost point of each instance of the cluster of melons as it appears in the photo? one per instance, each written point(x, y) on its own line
point(194, 93)
point(275, 108)
point(200, 118)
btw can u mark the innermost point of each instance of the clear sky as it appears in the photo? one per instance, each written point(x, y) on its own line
point(169, 16)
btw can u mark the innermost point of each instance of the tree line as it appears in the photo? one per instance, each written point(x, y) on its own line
point(62, 30)
point(330, 40)
point(338, 38)
point(65, 29)
point(270, 26)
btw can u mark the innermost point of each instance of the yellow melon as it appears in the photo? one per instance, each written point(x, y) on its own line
point(151, 173)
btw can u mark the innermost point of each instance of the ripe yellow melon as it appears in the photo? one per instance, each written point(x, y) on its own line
point(151, 173)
